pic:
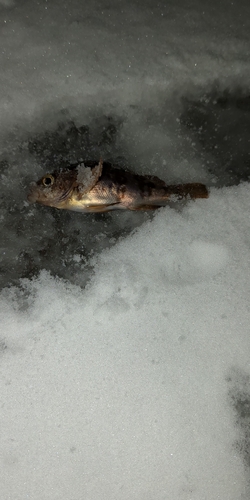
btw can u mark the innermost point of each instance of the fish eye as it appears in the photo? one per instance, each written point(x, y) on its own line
point(48, 180)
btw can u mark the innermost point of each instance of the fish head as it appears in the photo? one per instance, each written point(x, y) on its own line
point(63, 187)
point(53, 189)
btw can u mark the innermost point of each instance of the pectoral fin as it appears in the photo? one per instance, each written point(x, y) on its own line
point(103, 208)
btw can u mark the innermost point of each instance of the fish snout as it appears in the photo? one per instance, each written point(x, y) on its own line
point(33, 193)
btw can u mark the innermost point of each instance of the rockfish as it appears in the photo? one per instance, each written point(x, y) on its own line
point(99, 187)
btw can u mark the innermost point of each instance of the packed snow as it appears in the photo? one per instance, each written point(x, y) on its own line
point(124, 341)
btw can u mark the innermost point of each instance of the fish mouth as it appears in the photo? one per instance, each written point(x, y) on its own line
point(33, 193)
point(35, 196)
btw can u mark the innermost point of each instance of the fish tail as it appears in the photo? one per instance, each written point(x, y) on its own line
point(191, 191)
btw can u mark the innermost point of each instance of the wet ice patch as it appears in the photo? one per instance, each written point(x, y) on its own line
point(218, 123)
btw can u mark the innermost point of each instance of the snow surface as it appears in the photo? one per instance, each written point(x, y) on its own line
point(124, 342)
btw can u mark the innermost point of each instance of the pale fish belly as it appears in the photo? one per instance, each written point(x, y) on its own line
point(101, 198)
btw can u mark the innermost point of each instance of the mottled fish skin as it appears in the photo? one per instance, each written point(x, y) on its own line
point(99, 187)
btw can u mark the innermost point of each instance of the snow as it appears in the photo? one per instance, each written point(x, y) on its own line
point(124, 337)
point(87, 177)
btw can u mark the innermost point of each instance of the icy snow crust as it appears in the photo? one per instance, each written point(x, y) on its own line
point(124, 337)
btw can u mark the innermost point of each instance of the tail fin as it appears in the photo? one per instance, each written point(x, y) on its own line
point(190, 191)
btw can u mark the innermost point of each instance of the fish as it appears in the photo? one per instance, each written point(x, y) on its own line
point(98, 186)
